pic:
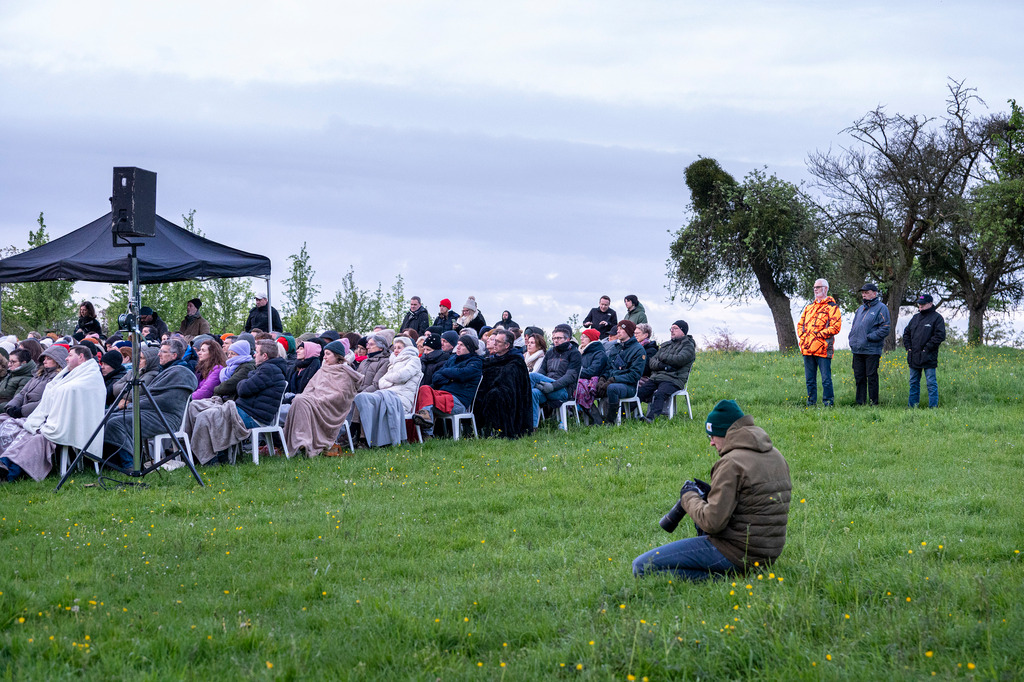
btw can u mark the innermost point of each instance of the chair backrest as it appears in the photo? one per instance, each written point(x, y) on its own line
point(472, 404)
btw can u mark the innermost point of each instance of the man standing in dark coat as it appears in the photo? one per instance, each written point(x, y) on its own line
point(417, 318)
point(258, 316)
point(867, 334)
point(602, 318)
point(503, 405)
point(149, 318)
point(446, 317)
point(921, 338)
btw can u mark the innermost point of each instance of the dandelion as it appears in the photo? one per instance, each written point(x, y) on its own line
point(847, 616)
point(503, 664)
point(828, 657)
point(970, 666)
point(929, 654)
point(269, 665)
point(802, 500)
point(579, 666)
point(622, 606)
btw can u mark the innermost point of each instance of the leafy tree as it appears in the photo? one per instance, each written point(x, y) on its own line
point(352, 308)
point(300, 312)
point(758, 236)
point(395, 304)
point(891, 190)
point(38, 306)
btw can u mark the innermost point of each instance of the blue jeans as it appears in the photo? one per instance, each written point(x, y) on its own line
point(539, 397)
point(457, 408)
point(617, 392)
point(13, 470)
point(812, 365)
point(915, 387)
point(693, 559)
point(249, 422)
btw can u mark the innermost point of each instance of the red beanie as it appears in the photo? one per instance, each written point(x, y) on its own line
point(592, 334)
point(446, 303)
point(283, 341)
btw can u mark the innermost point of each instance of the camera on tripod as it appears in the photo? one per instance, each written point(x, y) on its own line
point(126, 322)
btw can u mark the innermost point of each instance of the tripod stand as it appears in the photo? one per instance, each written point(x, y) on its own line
point(129, 322)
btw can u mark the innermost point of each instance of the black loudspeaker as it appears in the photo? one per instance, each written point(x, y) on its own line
point(133, 203)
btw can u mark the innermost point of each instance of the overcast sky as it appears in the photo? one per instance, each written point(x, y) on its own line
point(530, 154)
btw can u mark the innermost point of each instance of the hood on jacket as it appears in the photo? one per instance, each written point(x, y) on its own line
point(744, 434)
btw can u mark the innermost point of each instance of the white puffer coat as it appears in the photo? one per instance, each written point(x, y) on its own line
point(403, 376)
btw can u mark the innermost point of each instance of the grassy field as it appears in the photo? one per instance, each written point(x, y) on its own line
point(497, 560)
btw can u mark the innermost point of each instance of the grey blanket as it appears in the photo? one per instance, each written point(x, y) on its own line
point(382, 417)
point(213, 426)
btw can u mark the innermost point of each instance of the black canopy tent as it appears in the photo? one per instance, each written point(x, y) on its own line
point(173, 255)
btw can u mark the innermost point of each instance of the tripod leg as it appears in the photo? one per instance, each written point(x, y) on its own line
point(170, 432)
point(82, 452)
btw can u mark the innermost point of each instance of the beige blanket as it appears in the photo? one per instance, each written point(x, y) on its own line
point(212, 426)
point(316, 414)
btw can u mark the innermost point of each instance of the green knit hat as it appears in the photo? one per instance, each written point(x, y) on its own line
point(719, 420)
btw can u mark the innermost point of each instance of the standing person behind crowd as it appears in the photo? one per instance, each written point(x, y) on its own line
point(922, 337)
point(536, 347)
point(867, 334)
point(625, 367)
point(503, 406)
point(260, 318)
point(820, 321)
point(149, 318)
point(208, 368)
point(53, 361)
point(602, 318)
point(193, 325)
point(635, 311)
point(19, 372)
point(471, 318)
point(741, 516)
point(239, 364)
point(506, 320)
point(417, 319)
point(670, 370)
point(87, 322)
point(446, 317)
point(559, 372)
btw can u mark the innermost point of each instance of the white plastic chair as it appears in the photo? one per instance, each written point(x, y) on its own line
point(635, 400)
point(269, 431)
point(409, 417)
point(65, 460)
point(347, 429)
point(672, 403)
point(563, 414)
point(156, 443)
point(456, 419)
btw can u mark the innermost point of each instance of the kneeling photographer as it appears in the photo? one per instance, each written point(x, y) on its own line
point(740, 516)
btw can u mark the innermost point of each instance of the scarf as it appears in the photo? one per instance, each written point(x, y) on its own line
point(232, 365)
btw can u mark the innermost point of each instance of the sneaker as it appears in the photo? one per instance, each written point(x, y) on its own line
point(424, 417)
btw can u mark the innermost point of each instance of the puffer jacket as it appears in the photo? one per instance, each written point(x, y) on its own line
point(14, 381)
point(637, 315)
point(403, 376)
point(259, 394)
point(418, 320)
point(460, 376)
point(563, 363)
point(594, 361)
point(747, 508)
point(626, 362)
point(870, 327)
point(673, 362)
point(29, 396)
point(819, 323)
point(925, 331)
point(372, 369)
point(433, 361)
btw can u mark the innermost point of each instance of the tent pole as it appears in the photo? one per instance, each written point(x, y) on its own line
point(1, 308)
point(270, 309)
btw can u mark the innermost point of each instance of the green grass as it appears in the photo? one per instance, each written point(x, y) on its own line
point(446, 561)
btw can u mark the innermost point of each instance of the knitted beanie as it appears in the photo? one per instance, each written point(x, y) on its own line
point(682, 325)
point(469, 342)
point(629, 326)
point(725, 413)
point(446, 302)
point(592, 334)
point(451, 337)
point(471, 304)
point(432, 342)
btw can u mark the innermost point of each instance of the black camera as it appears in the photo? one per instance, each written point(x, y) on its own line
point(126, 322)
point(669, 521)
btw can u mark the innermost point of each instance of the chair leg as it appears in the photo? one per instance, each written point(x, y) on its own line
point(688, 408)
point(456, 428)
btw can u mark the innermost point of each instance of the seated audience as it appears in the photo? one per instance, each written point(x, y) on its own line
point(239, 364)
point(319, 411)
point(375, 364)
point(625, 367)
point(452, 387)
point(20, 369)
point(151, 319)
point(536, 347)
point(34, 348)
point(593, 363)
point(670, 370)
point(382, 412)
point(113, 371)
point(448, 340)
point(643, 337)
point(170, 389)
point(211, 360)
point(503, 405)
point(69, 412)
point(558, 373)
point(54, 359)
point(433, 357)
point(149, 367)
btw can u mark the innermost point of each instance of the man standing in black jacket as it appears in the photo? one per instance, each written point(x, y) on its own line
point(921, 338)
point(263, 317)
point(417, 318)
point(602, 318)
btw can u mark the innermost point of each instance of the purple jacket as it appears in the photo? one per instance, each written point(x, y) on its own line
point(207, 385)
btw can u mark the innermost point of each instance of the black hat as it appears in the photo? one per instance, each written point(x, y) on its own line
point(925, 298)
point(469, 342)
point(451, 337)
point(112, 358)
point(869, 286)
point(682, 325)
point(433, 342)
point(197, 303)
point(145, 310)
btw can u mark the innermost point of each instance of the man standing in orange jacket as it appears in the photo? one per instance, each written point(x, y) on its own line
point(819, 322)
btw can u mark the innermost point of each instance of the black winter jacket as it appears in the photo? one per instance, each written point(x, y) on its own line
point(258, 319)
point(445, 322)
point(594, 359)
point(459, 376)
point(651, 349)
point(595, 317)
point(433, 361)
point(297, 380)
point(563, 363)
point(418, 320)
point(259, 394)
point(922, 337)
point(673, 362)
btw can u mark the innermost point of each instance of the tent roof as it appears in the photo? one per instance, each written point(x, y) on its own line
point(173, 255)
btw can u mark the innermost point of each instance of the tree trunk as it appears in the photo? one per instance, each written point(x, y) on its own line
point(782, 313)
point(975, 326)
point(897, 290)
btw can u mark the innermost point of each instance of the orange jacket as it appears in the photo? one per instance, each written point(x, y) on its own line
point(819, 322)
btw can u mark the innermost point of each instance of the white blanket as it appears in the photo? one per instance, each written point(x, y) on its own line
point(71, 408)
